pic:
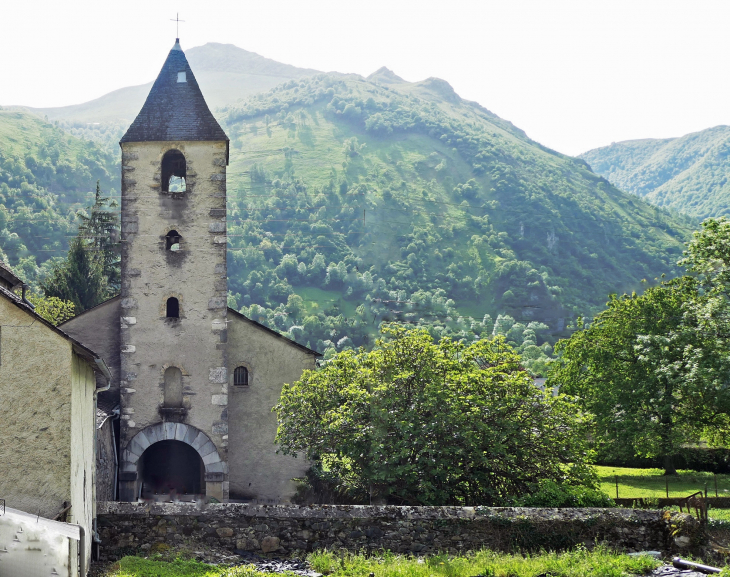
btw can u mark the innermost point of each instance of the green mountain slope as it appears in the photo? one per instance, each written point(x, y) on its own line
point(688, 174)
point(377, 199)
point(355, 201)
point(45, 176)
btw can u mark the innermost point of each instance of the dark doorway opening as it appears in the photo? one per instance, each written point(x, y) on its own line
point(173, 308)
point(174, 171)
point(171, 467)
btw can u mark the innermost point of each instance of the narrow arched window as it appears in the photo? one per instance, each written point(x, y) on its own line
point(174, 171)
point(172, 240)
point(240, 376)
point(173, 392)
point(173, 308)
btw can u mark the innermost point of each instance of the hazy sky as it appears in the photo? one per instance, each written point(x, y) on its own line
point(574, 75)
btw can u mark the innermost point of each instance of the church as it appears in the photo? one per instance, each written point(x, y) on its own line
point(193, 381)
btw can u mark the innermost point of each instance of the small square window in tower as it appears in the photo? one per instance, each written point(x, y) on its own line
point(240, 376)
point(182, 77)
point(174, 172)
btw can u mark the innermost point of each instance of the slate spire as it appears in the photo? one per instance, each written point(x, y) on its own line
point(175, 108)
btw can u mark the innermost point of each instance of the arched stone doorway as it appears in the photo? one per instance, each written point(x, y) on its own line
point(132, 467)
point(171, 467)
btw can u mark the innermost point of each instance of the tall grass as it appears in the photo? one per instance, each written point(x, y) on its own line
point(600, 562)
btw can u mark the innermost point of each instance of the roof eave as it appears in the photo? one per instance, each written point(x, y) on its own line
point(275, 333)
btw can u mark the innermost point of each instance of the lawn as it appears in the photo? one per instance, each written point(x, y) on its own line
point(578, 563)
point(651, 483)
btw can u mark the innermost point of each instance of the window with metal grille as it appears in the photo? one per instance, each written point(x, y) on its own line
point(240, 376)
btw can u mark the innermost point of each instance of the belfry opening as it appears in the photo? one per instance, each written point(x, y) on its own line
point(174, 172)
point(171, 469)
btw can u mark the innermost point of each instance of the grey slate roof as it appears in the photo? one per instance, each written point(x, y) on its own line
point(175, 110)
point(8, 276)
point(273, 332)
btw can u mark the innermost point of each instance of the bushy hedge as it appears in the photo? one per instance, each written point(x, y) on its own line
point(552, 494)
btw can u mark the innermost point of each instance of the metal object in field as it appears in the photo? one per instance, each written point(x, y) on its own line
point(696, 501)
point(682, 564)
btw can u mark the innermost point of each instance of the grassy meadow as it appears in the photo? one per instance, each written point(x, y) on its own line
point(651, 483)
point(598, 563)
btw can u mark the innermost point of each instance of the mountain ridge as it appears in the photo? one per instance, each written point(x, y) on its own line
point(219, 69)
point(688, 173)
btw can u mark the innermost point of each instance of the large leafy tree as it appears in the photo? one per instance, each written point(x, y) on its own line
point(654, 368)
point(708, 258)
point(653, 379)
point(419, 422)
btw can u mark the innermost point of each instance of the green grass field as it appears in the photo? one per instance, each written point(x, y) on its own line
point(651, 483)
point(579, 563)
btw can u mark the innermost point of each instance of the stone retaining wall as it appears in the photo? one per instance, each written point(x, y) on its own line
point(290, 530)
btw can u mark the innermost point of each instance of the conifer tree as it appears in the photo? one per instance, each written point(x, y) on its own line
point(90, 274)
point(80, 279)
point(100, 232)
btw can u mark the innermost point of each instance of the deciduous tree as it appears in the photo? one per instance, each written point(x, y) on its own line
point(419, 422)
point(648, 370)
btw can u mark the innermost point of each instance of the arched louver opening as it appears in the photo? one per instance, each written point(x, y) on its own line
point(172, 240)
point(174, 172)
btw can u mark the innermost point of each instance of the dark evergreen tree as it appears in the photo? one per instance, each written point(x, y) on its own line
point(99, 229)
point(91, 272)
point(80, 279)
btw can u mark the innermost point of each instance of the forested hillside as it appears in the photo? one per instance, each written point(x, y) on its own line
point(353, 201)
point(688, 174)
point(46, 175)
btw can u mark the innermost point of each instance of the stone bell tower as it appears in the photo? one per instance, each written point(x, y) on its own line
point(174, 392)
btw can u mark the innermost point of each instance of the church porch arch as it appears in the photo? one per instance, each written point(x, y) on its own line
point(215, 469)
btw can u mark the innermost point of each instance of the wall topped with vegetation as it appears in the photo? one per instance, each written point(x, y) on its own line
point(286, 530)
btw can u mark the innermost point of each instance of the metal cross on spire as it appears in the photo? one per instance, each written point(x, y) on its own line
point(177, 24)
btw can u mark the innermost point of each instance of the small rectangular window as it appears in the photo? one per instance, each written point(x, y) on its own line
point(181, 77)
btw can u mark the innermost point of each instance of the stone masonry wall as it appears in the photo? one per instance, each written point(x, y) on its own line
point(277, 530)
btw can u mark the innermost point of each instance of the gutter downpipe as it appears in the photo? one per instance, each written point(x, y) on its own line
point(108, 376)
point(24, 299)
point(115, 417)
point(104, 371)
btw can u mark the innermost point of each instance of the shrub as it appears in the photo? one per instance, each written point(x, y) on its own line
point(552, 494)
